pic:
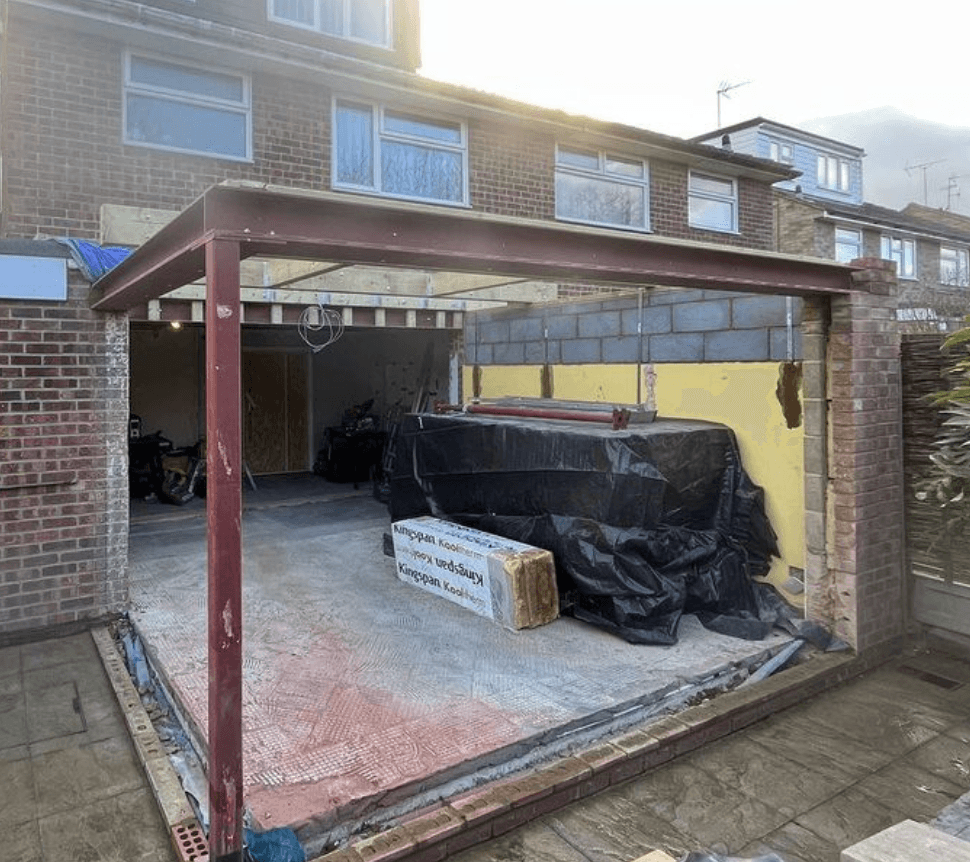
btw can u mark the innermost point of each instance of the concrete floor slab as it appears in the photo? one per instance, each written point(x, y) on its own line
point(362, 693)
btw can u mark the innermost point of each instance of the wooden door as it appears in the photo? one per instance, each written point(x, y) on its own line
point(275, 411)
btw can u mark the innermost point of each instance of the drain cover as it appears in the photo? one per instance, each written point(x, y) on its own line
point(926, 676)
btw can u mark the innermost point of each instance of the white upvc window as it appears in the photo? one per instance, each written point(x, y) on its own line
point(360, 20)
point(833, 173)
point(848, 244)
point(601, 188)
point(903, 252)
point(954, 266)
point(781, 152)
point(173, 106)
point(399, 153)
point(713, 202)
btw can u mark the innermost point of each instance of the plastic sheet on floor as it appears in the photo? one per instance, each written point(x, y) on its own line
point(276, 845)
point(645, 524)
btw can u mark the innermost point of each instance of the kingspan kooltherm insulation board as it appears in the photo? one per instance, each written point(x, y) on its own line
point(506, 581)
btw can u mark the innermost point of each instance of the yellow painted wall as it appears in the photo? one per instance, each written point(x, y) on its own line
point(609, 383)
point(505, 381)
point(741, 395)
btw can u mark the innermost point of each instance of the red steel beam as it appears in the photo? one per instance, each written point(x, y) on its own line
point(347, 229)
point(224, 515)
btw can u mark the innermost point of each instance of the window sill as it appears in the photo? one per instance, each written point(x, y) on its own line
point(370, 193)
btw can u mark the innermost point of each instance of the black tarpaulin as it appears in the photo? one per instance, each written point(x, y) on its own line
point(645, 523)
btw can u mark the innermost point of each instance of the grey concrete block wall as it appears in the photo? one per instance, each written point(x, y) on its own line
point(665, 325)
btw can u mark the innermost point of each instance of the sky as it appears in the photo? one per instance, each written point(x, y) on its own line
point(658, 64)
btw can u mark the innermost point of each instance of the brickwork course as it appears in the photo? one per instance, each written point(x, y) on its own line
point(63, 462)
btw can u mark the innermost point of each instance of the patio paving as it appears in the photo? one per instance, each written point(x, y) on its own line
point(364, 697)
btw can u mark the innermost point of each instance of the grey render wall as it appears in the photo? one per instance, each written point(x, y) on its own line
point(673, 325)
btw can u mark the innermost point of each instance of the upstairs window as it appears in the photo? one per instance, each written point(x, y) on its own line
point(361, 20)
point(848, 244)
point(954, 267)
point(595, 187)
point(903, 252)
point(713, 202)
point(833, 173)
point(780, 152)
point(399, 154)
point(173, 106)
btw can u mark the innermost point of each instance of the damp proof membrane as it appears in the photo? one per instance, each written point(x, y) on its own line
point(645, 524)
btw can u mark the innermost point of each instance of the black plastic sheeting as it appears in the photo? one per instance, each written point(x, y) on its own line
point(645, 524)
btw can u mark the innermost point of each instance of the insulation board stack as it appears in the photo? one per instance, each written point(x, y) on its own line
point(503, 580)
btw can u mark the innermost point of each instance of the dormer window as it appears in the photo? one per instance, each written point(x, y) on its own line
point(780, 152)
point(833, 173)
point(360, 20)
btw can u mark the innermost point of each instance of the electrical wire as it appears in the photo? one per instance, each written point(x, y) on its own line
point(317, 319)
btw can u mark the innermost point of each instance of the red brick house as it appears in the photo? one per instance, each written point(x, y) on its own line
point(115, 115)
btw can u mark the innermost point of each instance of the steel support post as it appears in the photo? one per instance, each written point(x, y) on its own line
point(224, 511)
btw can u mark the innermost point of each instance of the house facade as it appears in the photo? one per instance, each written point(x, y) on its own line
point(822, 213)
point(115, 115)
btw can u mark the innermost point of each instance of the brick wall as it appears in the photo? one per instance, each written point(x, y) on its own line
point(510, 171)
point(63, 469)
point(676, 326)
point(864, 512)
point(61, 135)
point(56, 182)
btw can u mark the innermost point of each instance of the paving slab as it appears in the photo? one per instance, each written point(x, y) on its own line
point(123, 828)
point(795, 843)
point(538, 844)
point(908, 842)
point(908, 788)
point(753, 769)
point(945, 756)
point(849, 817)
point(840, 759)
point(71, 789)
point(717, 816)
point(612, 826)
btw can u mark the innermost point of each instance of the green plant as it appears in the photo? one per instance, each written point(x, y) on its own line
point(948, 483)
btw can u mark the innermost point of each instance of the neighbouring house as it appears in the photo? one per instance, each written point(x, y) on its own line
point(823, 213)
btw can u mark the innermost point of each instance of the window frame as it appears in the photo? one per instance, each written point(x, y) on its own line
point(602, 174)
point(962, 263)
point(886, 241)
point(317, 25)
point(842, 171)
point(781, 152)
point(857, 244)
point(733, 199)
point(380, 134)
point(243, 107)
